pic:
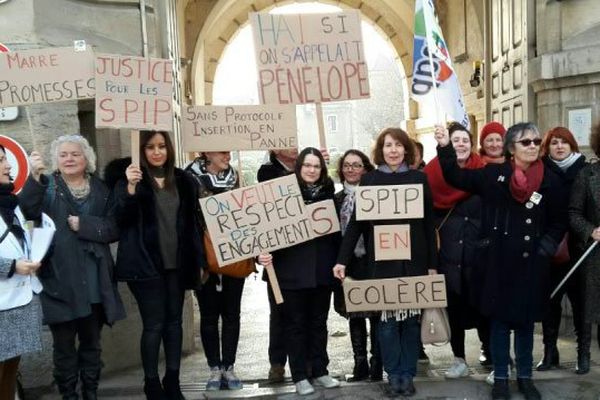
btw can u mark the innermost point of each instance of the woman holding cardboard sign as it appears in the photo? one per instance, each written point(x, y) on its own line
point(458, 218)
point(399, 330)
point(160, 252)
point(303, 272)
point(221, 294)
point(523, 219)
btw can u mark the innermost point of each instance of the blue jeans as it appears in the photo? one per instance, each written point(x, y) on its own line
point(500, 347)
point(399, 343)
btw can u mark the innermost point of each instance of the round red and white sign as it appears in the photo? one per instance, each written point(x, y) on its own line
point(17, 157)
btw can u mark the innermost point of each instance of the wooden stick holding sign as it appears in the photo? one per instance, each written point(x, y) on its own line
point(274, 283)
point(135, 147)
point(321, 125)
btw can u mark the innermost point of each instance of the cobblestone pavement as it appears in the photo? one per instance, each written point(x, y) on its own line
point(252, 366)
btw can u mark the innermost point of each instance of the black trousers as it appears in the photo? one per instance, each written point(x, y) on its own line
point(574, 288)
point(277, 340)
point(220, 299)
point(69, 359)
point(160, 302)
point(463, 316)
point(305, 313)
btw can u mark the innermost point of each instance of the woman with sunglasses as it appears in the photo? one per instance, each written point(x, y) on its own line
point(304, 275)
point(351, 167)
point(561, 155)
point(523, 219)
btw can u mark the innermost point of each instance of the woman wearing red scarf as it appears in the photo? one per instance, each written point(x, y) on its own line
point(523, 219)
point(458, 218)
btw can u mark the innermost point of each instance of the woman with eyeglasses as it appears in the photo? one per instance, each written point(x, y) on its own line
point(304, 275)
point(351, 167)
point(523, 219)
point(399, 330)
point(458, 218)
point(561, 155)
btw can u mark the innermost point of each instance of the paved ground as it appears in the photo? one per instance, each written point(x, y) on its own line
point(252, 367)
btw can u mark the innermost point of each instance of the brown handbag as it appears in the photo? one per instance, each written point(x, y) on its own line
point(238, 269)
point(562, 252)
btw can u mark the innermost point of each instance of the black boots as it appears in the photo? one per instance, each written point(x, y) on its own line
point(583, 363)
point(361, 369)
point(171, 385)
point(153, 390)
point(528, 390)
point(500, 391)
point(358, 337)
point(584, 341)
point(89, 384)
point(67, 386)
point(550, 360)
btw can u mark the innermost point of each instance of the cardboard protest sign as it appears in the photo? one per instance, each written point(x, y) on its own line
point(309, 58)
point(255, 219)
point(249, 127)
point(389, 202)
point(323, 218)
point(427, 291)
point(134, 92)
point(392, 242)
point(45, 76)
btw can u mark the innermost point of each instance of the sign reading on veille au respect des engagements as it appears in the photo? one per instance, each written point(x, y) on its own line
point(271, 215)
point(309, 58)
point(46, 75)
point(247, 127)
point(134, 92)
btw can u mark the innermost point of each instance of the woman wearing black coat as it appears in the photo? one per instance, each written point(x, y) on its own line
point(80, 294)
point(160, 253)
point(398, 329)
point(304, 275)
point(562, 156)
point(523, 221)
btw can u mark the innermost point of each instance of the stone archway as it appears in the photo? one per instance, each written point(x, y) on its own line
point(212, 24)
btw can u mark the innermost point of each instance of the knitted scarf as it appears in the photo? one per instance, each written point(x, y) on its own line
point(346, 213)
point(215, 183)
point(524, 183)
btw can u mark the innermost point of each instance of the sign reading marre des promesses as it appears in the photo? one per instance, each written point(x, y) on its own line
point(247, 127)
point(46, 76)
point(268, 216)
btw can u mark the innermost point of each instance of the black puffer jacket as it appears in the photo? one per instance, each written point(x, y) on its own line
point(139, 257)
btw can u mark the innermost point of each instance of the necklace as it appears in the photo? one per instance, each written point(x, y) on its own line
point(79, 192)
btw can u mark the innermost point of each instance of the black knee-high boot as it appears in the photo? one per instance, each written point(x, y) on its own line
point(358, 337)
point(376, 365)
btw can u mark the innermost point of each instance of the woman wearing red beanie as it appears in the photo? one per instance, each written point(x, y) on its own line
point(491, 140)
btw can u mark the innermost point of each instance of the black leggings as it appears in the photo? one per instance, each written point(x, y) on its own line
point(160, 302)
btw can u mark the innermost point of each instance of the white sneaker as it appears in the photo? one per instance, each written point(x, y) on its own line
point(490, 378)
point(327, 382)
point(214, 382)
point(458, 369)
point(304, 387)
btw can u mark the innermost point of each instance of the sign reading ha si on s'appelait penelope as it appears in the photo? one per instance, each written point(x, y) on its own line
point(389, 202)
point(309, 58)
point(415, 292)
point(271, 215)
point(46, 75)
point(134, 92)
point(248, 127)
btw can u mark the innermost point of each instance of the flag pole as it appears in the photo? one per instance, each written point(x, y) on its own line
point(433, 78)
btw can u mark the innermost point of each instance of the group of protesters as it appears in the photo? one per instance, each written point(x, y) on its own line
point(504, 225)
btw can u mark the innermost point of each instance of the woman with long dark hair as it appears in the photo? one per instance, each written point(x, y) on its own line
point(399, 331)
point(20, 310)
point(160, 253)
point(304, 275)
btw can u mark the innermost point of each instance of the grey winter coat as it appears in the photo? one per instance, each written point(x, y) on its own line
point(65, 297)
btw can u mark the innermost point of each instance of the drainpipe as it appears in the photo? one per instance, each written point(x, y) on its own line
point(144, 30)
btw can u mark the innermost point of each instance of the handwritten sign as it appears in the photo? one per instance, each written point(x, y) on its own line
point(389, 202)
point(323, 218)
point(134, 92)
point(224, 128)
point(427, 291)
point(392, 242)
point(46, 76)
point(261, 218)
point(308, 58)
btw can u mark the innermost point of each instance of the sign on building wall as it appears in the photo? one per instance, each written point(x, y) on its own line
point(134, 92)
point(580, 124)
point(427, 291)
point(246, 222)
point(249, 127)
point(308, 58)
point(45, 76)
